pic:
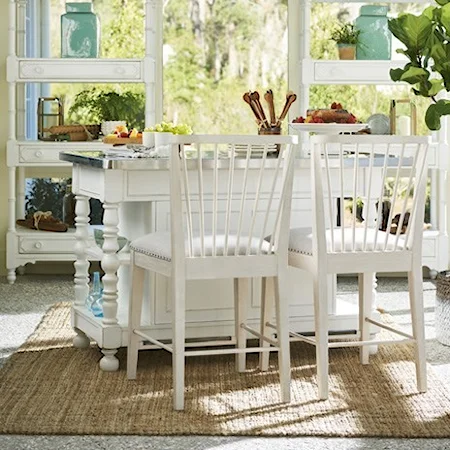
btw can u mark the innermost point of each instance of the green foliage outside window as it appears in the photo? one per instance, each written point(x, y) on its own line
point(217, 50)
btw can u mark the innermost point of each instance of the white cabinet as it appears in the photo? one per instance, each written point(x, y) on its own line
point(304, 72)
point(28, 246)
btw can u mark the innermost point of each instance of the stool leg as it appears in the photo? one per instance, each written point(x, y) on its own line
point(134, 318)
point(415, 283)
point(365, 285)
point(240, 311)
point(321, 332)
point(266, 316)
point(178, 343)
point(282, 310)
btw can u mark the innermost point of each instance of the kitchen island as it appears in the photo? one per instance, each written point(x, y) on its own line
point(135, 196)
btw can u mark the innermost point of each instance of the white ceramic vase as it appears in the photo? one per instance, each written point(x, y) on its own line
point(162, 146)
point(148, 139)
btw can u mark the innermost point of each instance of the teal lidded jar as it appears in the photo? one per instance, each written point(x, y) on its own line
point(80, 31)
point(375, 38)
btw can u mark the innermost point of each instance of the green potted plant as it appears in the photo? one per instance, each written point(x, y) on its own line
point(426, 40)
point(110, 108)
point(346, 38)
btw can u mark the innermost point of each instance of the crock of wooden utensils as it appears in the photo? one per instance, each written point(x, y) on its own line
point(274, 125)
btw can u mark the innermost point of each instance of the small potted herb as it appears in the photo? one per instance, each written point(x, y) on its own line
point(346, 38)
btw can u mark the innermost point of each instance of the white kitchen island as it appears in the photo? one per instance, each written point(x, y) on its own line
point(135, 196)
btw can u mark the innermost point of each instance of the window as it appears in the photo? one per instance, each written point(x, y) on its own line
point(216, 51)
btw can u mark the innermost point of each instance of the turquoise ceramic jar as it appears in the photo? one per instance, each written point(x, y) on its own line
point(80, 32)
point(375, 38)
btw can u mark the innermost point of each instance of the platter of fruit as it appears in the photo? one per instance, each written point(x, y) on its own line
point(335, 119)
point(122, 135)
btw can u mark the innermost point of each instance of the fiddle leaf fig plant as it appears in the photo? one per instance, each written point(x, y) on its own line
point(427, 41)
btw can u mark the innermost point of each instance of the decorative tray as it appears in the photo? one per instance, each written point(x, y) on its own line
point(119, 140)
point(327, 128)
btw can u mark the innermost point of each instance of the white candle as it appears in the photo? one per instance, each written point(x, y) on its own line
point(404, 125)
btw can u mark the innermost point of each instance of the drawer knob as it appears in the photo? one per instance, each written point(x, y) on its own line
point(38, 245)
point(38, 153)
point(120, 70)
point(38, 70)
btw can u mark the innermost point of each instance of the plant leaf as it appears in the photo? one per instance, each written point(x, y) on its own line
point(436, 87)
point(445, 16)
point(433, 118)
point(438, 53)
point(442, 2)
point(444, 71)
point(435, 112)
point(429, 12)
point(412, 30)
point(415, 75)
point(396, 74)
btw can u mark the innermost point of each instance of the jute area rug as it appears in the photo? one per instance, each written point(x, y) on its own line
point(48, 387)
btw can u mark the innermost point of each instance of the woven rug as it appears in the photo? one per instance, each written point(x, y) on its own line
point(48, 387)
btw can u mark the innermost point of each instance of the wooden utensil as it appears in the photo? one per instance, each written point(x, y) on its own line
point(290, 98)
point(255, 98)
point(268, 96)
point(248, 100)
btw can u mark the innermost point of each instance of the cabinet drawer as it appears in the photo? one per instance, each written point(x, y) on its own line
point(32, 154)
point(63, 70)
point(52, 244)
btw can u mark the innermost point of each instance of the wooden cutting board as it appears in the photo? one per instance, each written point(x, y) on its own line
point(119, 140)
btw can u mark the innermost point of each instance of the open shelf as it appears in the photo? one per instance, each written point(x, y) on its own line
point(93, 70)
point(348, 72)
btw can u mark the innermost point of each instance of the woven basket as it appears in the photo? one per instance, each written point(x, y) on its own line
point(442, 310)
point(76, 132)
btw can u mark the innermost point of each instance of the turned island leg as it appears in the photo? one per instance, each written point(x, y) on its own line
point(81, 264)
point(110, 265)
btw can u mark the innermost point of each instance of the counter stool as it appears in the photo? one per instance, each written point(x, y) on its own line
point(218, 220)
point(353, 175)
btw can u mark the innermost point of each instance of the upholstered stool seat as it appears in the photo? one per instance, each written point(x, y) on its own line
point(158, 245)
point(301, 240)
